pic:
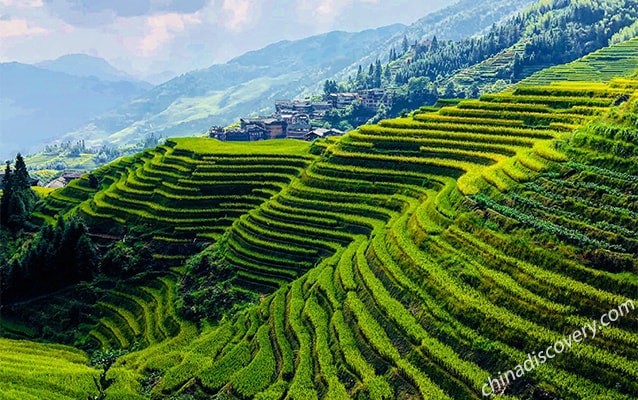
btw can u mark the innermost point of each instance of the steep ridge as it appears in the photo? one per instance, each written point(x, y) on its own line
point(400, 257)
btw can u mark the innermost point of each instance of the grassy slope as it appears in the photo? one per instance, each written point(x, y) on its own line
point(269, 147)
point(619, 60)
point(36, 371)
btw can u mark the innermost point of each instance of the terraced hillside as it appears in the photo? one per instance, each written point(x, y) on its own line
point(619, 60)
point(415, 258)
point(186, 190)
point(37, 371)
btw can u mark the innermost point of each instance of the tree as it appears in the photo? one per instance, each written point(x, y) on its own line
point(17, 198)
point(378, 69)
point(435, 43)
point(330, 86)
point(17, 212)
point(474, 91)
point(21, 175)
point(405, 44)
point(7, 183)
point(387, 73)
point(450, 91)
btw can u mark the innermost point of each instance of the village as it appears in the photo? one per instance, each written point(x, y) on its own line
point(301, 119)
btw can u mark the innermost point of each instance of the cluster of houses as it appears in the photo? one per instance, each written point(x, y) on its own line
point(298, 119)
point(57, 183)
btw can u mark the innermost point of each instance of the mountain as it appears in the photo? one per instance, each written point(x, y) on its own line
point(463, 19)
point(38, 105)
point(246, 85)
point(249, 84)
point(86, 66)
point(544, 35)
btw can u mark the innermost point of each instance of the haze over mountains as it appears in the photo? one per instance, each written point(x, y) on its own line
point(86, 66)
point(39, 103)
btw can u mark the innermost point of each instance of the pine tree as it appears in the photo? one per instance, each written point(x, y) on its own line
point(85, 258)
point(7, 183)
point(450, 91)
point(405, 44)
point(21, 175)
point(378, 70)
point(17, 212)
point(435, 43)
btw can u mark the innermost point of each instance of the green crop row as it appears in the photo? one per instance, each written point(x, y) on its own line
point(258, 375)
point(469, 120)
point(342, 212)
point(222, 371)
point(278, 248)
point(278, 317)
point(529, 118)
point(444, 356)
point(410, 142)
point(480, 133)
point(572, 89)
point(564, 102)
point(505, 106)
point(378, 338)
point(469, 298)
point(319, 319)
point(246, 250)
point(302, 385)
point(376, 386)
point(44, 371)
point(546, 226)
point(204, 350)
point(313, 232)
point(263, 232)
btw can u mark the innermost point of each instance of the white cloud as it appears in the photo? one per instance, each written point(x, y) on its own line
point(19, 27)
point(239, 13)
point(22, 3)
point(163, 28)
point(331, 8)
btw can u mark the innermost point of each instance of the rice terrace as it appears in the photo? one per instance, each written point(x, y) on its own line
point(476, 248)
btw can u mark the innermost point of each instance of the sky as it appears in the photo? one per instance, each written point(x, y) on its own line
point(154, 39)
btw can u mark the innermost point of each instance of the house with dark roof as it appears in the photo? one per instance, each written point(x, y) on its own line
point(321, 133)
point(64, 179)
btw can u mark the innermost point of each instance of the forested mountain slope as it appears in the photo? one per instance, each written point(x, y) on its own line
point(554, 33)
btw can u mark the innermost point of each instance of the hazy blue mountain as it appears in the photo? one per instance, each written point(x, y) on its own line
point(38, 105)
point(244, 86)
point(86, 66)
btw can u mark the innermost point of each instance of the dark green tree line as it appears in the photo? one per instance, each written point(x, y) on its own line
point(18, 198)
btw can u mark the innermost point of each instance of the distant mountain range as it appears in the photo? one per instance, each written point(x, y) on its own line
point(40, 103)
point(249, 84)
point(85, 66)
